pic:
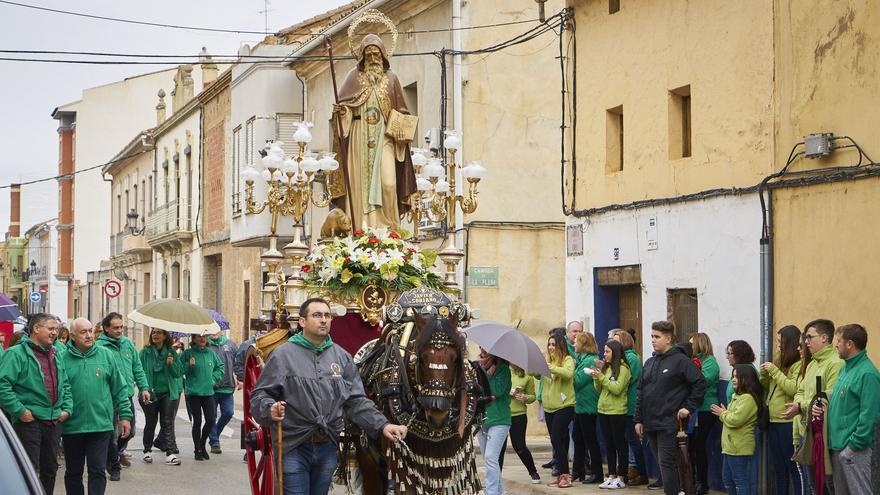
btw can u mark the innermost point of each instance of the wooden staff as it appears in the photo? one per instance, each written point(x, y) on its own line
point(336, 121)
point(279, 454)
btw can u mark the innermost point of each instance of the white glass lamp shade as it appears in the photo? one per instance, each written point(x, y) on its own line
point(250, 174)
point(434, 168)
point(452, 141)
point(278, 175)
point(474, 170)
point(442, 187)
point(302, 134)
point(267, 176)
point(309, 164)
point(328, 161)
point(289, 166)
point(423, 184)
point(418, 157)
point(274, 157)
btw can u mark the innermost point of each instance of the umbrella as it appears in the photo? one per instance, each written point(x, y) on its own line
point(510, 344)
point(222, 322)
point(685, 472)
point(8, 309)
point(818, 423)
point(177, 315)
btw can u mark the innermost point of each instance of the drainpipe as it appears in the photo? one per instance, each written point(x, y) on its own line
point(766, 291)
point(457, 125)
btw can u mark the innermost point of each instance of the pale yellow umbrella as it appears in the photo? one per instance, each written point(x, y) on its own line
point(175, 315)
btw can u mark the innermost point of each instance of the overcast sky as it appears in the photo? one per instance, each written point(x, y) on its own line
point(30, 91)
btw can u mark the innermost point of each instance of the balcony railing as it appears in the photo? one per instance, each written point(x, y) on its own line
point(171, 217)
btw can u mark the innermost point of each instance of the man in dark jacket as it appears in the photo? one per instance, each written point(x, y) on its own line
point(670, 388)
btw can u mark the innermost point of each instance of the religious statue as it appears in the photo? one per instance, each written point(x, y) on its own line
point(376, 179)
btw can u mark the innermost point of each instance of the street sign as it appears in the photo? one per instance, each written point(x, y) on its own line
point(36, 297)
point(112, 288)
point(483, 276)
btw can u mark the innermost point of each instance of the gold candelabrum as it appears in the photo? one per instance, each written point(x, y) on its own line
point(289, 182)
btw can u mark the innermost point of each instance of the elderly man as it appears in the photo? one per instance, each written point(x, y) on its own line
point(35, 394)
point(97, 387)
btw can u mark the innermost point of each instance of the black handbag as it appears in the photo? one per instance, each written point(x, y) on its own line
point(764, 415)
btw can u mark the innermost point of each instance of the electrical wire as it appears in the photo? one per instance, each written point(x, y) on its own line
point(62, 176)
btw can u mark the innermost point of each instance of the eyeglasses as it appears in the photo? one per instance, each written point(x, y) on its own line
point(318, 316)
point(808, 336)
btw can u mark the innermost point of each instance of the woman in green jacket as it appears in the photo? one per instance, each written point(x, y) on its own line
point(522, 392)
point(612, 377)
point(163, 369)
point(706, 421)
point(558, 400)
point(636, 450)
point(738, 433)
point(201, 369)
point(586, 406)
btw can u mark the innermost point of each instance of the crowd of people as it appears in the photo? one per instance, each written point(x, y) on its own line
point(609, 395)
point(70, 390)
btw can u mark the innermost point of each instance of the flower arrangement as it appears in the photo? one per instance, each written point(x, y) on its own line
point(375, 256)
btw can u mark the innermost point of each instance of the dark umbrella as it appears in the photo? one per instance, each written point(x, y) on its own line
point(510, 344)
point(222, 322)
point(8, 309)
point(685, 472)
point(818, 423)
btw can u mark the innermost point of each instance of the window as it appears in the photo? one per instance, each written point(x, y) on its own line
point(285, 127)
point(236, 171)
point(613, 6)
point(249, 141)
point(614, 139)
point(680, 145)
point(681, 306)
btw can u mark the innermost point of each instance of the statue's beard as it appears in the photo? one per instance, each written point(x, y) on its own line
point(374, 73)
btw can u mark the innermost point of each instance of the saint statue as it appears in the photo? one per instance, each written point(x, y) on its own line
point(380, 174)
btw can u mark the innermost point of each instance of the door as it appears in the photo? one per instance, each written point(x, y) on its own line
point(630, 310)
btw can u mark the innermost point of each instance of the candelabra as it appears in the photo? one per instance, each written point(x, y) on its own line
point(289, 191)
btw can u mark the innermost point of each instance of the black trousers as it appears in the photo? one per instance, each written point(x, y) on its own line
point(517, 434)
point(664, 445)
point(557, 426)
point(162, 411)
point(80, 448)
point(585, 427)
point(40, 441)
point(614, 432)
point(706, 421)
point(199, 406)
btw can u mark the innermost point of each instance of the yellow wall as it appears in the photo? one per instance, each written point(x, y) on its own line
point(723, 50)
point(826, 236)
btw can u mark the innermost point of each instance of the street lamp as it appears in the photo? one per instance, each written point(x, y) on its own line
point(131, 219)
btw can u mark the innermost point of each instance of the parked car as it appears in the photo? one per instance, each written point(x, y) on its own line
point(16, 472)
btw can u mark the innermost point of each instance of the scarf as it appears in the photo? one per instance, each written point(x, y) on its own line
point(300, 340)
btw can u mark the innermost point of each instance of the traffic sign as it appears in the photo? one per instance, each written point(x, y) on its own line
point(36, 297)
point(112, 288)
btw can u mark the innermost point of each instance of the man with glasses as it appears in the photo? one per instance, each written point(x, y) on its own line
point(35, 394)
point(819, 337)
point(322, 384)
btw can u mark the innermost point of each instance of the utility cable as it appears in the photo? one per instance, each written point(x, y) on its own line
point(62, 176)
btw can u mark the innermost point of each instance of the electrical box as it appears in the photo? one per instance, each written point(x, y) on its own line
point(816, 145)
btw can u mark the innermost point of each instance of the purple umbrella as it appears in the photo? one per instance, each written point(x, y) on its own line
point(510, 344)
point(222, 322)
point(8, 309)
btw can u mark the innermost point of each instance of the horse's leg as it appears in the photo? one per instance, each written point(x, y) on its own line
point(372, 478)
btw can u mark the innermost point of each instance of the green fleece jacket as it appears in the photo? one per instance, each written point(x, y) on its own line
point(129, 364)
point(161, 377)
point(498, 411)
point(558, 389)
point(526, 384)
point(854, 408)
point(827, 364)
point(22, 385)
point(738, 433)
point(613, 391)
point(586, 395)
point(635, 367)
point(96, 386)
point(711, 371)
point(199, 379)
point(781, 388)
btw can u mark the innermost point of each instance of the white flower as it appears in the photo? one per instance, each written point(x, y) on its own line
point(327, 273)
point(395, 257)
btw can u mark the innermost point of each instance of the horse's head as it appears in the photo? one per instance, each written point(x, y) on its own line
point(439, 350)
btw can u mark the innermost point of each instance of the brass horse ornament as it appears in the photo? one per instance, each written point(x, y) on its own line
point(418, 375)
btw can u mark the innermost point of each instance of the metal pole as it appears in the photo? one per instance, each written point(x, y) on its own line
point(766, 253)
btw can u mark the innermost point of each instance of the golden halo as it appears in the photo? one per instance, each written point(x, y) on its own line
point(372, 15)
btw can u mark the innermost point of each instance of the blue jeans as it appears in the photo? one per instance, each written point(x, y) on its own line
point(738, 476)
point(308, 469)
point(491, 442)
point(781, 450)
point(226, 404)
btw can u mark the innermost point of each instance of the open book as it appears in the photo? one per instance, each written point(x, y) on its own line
point(407, 125)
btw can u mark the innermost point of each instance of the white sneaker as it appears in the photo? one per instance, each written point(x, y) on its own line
point(172, 460)
point(148, 458)
point(606, 483)
point(616, 484)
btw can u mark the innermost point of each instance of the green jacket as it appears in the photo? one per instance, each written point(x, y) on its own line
point(635, 367)
point(613, 391)
point(781, 388)
point(156, 369)
point(711, 371)
point(826, 363)
point(22, 386)
point(738, 434)
point(129, 364)
point(498, 411)
point(526, 384)
point(558, 390)
point(854, 408)
point(199, 380)
point(586, 395)
point(96, 386)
